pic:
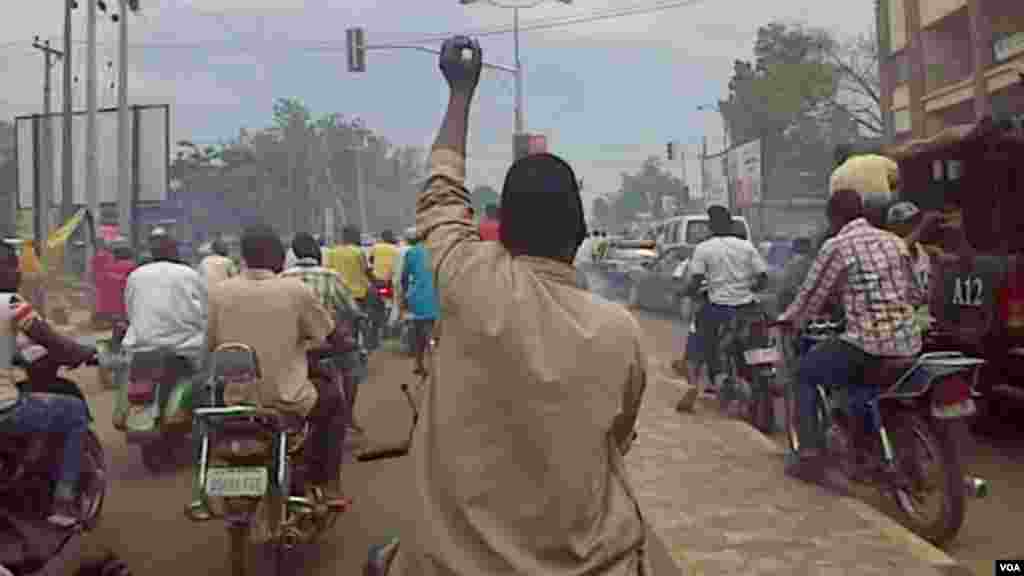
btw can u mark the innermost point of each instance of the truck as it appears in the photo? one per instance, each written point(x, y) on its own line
point(974, 175)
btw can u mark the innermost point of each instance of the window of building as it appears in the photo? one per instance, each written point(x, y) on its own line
point(901, 120)
point(1007, 20)
point(899, 67)
point(947, 51)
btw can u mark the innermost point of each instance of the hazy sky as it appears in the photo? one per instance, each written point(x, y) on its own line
point(606, 93)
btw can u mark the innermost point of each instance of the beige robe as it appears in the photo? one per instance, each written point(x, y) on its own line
point(533, 397)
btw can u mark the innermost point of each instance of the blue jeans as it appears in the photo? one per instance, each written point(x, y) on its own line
point(711, 319)
point(57, 413)
point(831, 363)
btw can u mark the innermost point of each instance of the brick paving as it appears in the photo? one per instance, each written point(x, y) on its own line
point(716, 494)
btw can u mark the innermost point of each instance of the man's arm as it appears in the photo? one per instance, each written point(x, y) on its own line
point(817, 286)
point(443, 211)
point(31, 324)
point(624, 425)
point(315, 322)
point(698, 269)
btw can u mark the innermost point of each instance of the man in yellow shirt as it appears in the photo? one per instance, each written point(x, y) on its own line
point(383, 255)
point(348, 260)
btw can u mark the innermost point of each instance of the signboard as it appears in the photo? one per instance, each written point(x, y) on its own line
point(745, 173)
point(715, 190)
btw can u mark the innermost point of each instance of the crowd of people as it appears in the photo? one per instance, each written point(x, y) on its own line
point(535, 383)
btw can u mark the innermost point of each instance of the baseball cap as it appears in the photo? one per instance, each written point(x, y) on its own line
point(902, 212)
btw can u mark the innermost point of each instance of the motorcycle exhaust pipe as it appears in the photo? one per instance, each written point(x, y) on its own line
point(976, 487)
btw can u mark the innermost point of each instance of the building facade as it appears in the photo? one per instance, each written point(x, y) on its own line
point(946, 62)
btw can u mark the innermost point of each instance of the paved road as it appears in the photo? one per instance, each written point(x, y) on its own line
point(992, 528)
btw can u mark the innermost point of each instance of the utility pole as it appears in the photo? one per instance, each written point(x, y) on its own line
point(124, 169)
point(67, 163)
point(91, 137)
point(43, 201)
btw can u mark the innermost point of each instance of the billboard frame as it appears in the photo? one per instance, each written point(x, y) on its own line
point(135, 110)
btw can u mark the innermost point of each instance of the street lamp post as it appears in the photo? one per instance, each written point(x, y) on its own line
point(520, 120)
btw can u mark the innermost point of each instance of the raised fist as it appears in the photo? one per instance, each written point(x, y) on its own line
point(461, 60)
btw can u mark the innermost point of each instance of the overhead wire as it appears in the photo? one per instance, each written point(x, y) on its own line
point(327, 45)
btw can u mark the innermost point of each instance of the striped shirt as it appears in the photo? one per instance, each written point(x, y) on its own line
point(873, 272)
point(326, 283)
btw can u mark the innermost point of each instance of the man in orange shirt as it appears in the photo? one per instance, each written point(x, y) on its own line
point(491, 223)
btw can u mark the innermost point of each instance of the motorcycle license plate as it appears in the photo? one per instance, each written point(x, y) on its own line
point(233, 482)
point(960, 409)
point(759, 356)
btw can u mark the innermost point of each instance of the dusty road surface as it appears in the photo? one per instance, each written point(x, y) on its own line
point(992, 529)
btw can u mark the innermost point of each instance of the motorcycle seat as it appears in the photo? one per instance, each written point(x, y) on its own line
point(887, 371)
point(244, 439)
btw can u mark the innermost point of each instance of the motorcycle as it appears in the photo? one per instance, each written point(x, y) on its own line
point(918, 419)
point(251, 464)
point(30, 546)
point(155, 405)
point(27, 461)
point(750, 353)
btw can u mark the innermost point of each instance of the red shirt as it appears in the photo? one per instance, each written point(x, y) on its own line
point(111, 285)
point(489, 230)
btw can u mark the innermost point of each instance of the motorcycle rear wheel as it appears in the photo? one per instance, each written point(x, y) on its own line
point(762, 404)
point(916, 435)
point(93, 481)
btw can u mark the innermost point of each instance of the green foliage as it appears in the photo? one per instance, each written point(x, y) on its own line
point(643, 192)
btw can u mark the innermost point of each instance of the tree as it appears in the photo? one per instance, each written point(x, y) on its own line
point(789, 80)
point(859, 91)
point(643, 192)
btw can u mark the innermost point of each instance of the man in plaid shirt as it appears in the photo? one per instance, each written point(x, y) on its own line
point(871, 271)
point(333, 294)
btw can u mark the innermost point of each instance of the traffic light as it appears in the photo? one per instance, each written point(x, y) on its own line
point(522, 145)
point(670, 151)
point(355, 40)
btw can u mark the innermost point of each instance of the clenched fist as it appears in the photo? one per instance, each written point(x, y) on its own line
point(461, 61)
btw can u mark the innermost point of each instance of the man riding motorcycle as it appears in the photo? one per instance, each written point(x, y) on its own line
point(333, 295)
point(281, 319)
point(166, 303)
point(872, 272)
point(734, 270)
point(26, 413)
point(535, 384)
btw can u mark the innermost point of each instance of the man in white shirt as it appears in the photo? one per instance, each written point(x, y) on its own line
point(733, 270)
point(166, 305)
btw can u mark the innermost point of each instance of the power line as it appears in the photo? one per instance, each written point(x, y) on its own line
point(528, 26)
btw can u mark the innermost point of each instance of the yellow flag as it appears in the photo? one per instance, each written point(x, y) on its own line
point(59, 237)
point(28, 261)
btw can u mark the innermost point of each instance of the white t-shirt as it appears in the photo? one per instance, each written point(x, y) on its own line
point(167, 307)
point(730, 265)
